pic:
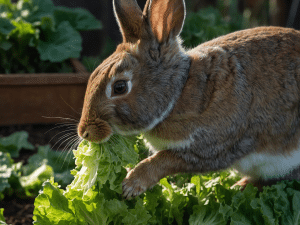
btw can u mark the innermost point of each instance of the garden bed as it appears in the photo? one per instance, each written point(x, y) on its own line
point(20, 211)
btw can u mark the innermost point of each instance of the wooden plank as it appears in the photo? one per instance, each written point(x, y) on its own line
point(42, 98)
point(80, 77)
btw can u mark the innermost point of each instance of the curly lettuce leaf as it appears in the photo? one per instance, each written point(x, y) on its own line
point(92, 197)
point(51, 206)
point(101, 163)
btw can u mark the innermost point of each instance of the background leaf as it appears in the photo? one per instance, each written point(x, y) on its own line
point(5, 171)
point(80, 19)
point(61, 162)
point(63, 44)
point(37, 9)
point(29, 28)
point(14, 143)
point(207, 24)
point(6, 8)
point(6, 26)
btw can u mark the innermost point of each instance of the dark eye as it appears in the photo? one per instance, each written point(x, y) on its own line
point(120, 87)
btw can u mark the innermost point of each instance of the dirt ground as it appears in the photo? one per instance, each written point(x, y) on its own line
point(20, 211)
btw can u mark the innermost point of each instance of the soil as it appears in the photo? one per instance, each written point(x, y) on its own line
point(19, 211)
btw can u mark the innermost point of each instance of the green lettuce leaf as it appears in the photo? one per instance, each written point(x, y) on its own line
point(61, 163)
point(279, 204)
point(34, 181)
point(102, 163)
point(138, 215)
point(94, 195)
point(207, 214)
point(177, 200)
point(52, 207)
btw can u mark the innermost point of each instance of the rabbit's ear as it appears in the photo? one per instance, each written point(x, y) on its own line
point(129, 17)
point(166, 18)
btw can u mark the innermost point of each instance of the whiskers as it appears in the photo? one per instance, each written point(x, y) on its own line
point(67, 138)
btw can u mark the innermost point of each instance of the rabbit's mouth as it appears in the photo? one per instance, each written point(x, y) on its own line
point(97, 131)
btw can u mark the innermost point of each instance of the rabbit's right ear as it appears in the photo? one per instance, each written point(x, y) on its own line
point(129, 17)
point(166, 18)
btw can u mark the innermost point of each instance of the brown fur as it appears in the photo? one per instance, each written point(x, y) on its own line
point(204, 109)
point(271, 91)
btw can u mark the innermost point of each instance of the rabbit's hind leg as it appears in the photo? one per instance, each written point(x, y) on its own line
point(260, 183)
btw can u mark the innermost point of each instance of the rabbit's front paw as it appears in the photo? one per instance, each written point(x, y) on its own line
point(136, 182)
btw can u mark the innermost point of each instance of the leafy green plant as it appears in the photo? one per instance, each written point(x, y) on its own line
point(207, 24)
point(36, 36)
point(26, 180)
point(14, 143)
point(94, 196)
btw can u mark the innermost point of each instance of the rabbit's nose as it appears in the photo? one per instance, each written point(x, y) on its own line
point(82, 131)
point(95, 132)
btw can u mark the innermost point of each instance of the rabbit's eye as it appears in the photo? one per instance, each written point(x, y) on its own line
point(120, 87)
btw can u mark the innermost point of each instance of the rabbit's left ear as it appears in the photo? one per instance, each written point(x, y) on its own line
point(129, 17)
point(166, 18)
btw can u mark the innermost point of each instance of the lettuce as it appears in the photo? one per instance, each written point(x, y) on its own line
point(94, 196)
point(101, 164)
point(61, 163)
point(26, 180)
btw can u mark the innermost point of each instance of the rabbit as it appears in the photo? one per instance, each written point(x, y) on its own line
point(232, 102)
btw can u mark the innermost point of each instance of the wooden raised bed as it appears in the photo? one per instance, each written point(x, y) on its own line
point(42, 98)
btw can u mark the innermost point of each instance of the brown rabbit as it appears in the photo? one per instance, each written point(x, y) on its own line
point(230, 102)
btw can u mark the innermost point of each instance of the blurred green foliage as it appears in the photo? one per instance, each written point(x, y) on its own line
point(207, 24)
point(36, 36)
point(25, 181)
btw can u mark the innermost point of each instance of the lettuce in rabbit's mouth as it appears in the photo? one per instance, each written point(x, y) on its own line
point(101, 162)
